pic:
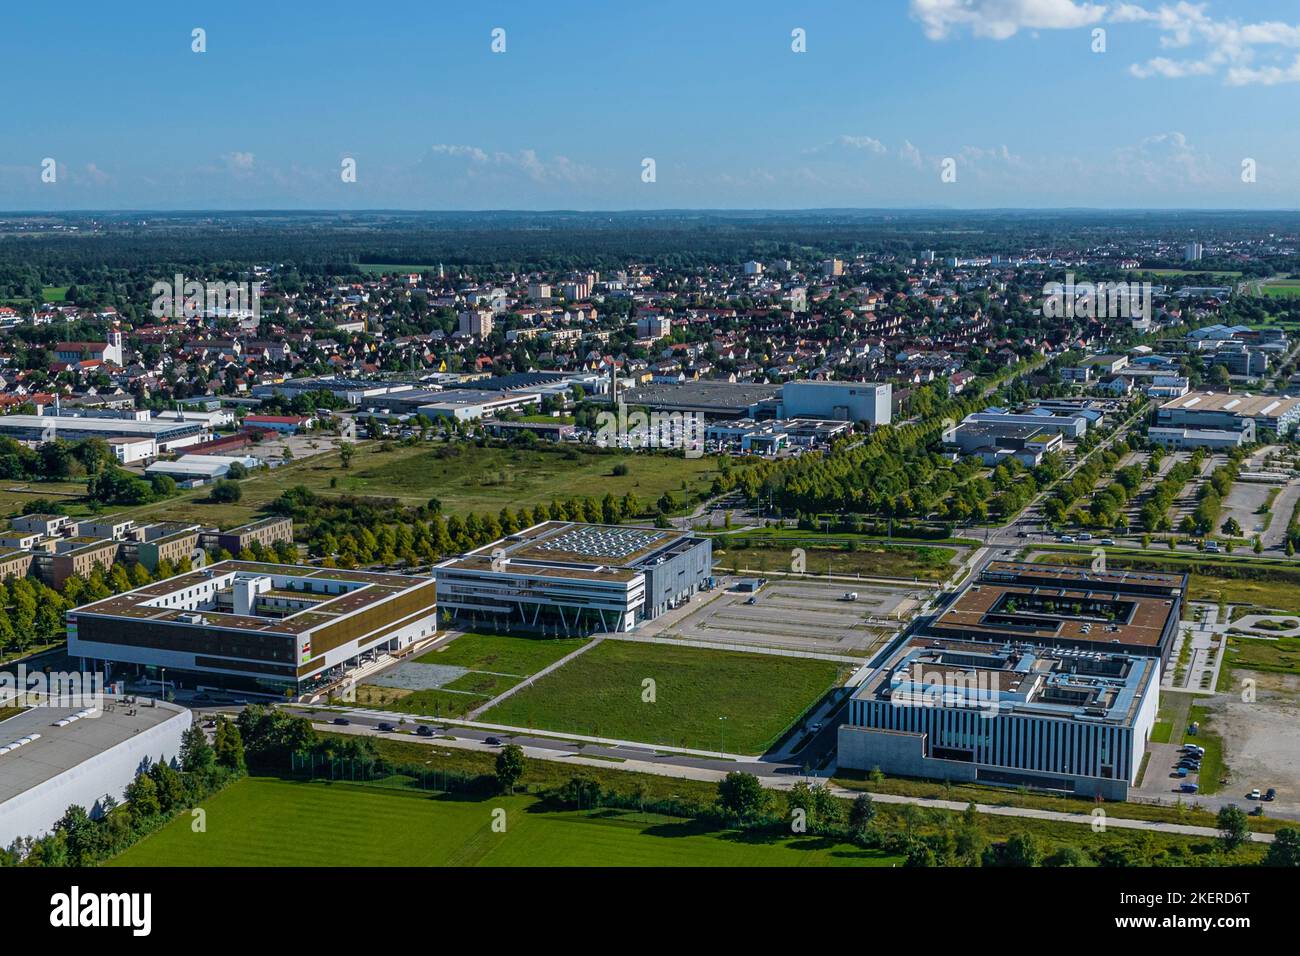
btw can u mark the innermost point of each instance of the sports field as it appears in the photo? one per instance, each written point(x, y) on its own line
point(263, 821)
point(602, 693)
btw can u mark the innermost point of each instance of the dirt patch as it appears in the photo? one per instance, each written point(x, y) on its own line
point(1260, 737)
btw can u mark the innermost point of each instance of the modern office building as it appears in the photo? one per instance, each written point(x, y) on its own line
point(264, 628)
point(579, 577)
point(1038, 676)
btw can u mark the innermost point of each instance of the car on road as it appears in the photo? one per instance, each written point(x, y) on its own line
point(424, 731)
point(752, 600)
point(1270, 794)
point(385, 727)
point(341, 721)
point(1066, 539)
point(1254, 794)
point(815, 727)
point(1085, 536)
point(492, 741)
point(1107, 541)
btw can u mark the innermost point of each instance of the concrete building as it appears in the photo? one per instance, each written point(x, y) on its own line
point(264, 628)
point(869, 402)
point(79, 555)
point(1037, 676)
point(476, 322)
point(1215, 439)
point(579, 577)
point(268, 532)
point(169, 541)
point(72, 757)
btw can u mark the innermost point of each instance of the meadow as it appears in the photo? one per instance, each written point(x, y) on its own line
point(463, 476)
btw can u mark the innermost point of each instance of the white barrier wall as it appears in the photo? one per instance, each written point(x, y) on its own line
point(34, 812)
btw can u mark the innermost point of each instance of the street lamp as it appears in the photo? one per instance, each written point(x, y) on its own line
point(162, 683)
point(722, 736)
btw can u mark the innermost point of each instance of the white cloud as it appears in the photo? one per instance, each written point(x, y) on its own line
point(479, 162)
point(1001, 19)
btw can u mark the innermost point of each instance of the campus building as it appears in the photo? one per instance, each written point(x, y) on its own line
point(267, 532)
point(579, 577)
point(1037, 676)
point(1225, 411)
point(265, 628)
point(870, 402)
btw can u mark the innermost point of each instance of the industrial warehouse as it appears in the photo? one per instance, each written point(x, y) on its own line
point(264, 628)
point(579, 577)
point(1037, 676)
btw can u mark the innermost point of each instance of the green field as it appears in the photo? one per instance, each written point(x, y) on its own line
point(869, 559)
point(599, 693)
point(495, 663)
point(265, 821)
point(1280, 655)
point(15, 494)
point(463, 476)
point(1281, 288)
point(519, 654)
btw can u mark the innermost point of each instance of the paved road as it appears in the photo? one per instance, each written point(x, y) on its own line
point(784, 778)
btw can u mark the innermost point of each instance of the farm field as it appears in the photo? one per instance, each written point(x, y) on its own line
point(266, 821)
point(600, 693)
point(463, 476)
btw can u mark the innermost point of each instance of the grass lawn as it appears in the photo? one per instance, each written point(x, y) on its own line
point(1279, 655)
point(519, 654)
point(600, 694)
point(1212, 766)
point(496, 662)
point(464, 477)
point(265, 821)
point(870, 559)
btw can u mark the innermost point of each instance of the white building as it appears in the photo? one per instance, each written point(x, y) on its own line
point(840, 401)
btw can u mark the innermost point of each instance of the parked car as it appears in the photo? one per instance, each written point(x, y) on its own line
point(1189, 788)
point(341, 721)
point(1254, 794)
point(1180, 771)
point(1270, 794)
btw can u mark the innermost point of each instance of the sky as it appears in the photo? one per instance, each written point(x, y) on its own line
point(616, 104)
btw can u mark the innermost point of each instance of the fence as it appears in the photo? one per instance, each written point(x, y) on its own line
point(380, 773)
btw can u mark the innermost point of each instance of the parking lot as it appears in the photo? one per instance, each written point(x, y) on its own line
point(802, 615)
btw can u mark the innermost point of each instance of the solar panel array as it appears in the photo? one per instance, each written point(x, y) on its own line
point(595, 542)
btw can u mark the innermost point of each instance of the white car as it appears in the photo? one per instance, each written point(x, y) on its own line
point(1254, 794)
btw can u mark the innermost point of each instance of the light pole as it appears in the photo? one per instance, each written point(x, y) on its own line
point(162, 683)
point(722, 736)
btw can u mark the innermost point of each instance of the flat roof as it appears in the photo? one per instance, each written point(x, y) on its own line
point(77, 423)
point(1043, 603)
point(1241, 405)
point(373, 587)
point(59, 749)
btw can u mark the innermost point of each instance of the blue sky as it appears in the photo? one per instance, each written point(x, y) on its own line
point(1009, 90)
